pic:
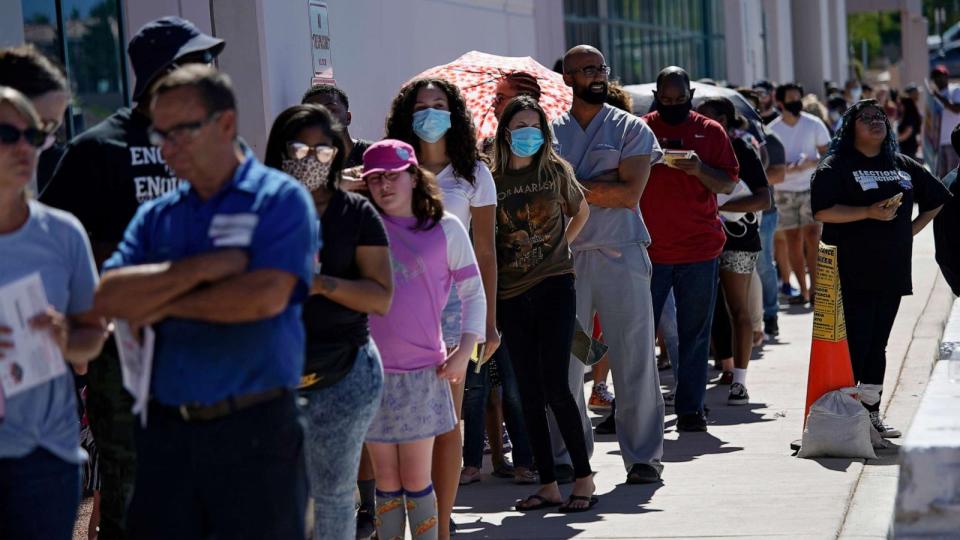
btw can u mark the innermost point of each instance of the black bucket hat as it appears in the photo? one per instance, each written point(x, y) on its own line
point(161, 42)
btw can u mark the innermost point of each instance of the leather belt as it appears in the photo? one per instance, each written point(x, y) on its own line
point(204, 413)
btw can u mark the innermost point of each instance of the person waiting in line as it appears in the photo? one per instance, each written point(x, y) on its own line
point(908, 129)
point(864, 192)
point(540, 209)
point(343, 376)
point(27, 70)
point(742, 247)
point(431, 116)
point(805, 138)
point(611, 152)
point(680, 207)
point(104, 176)
point(486, 404)
point(40, 453)
point(220, 267)
point(430, 251)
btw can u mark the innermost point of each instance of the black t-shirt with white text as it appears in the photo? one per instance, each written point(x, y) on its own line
point(744, 234)
point(874, 255)
point(107, 172)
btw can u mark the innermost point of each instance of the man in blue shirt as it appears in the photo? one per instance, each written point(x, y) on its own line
point(220, 268)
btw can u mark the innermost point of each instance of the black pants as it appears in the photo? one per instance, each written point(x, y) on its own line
point(869, 317)
point(241, 476)
point(538, 328)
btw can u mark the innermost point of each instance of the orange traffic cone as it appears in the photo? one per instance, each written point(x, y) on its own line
point(830, 367)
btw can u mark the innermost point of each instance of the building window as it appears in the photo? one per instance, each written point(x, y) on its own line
point(641, 37)
point(86, 38)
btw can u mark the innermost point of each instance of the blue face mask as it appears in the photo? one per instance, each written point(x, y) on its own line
point(526, 141)
point(431, 124)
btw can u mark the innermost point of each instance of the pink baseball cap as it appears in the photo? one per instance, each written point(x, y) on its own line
point(388, 155)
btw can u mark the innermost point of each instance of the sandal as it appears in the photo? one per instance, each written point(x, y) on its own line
point(503, 470)
point(524, 476)
point(798, 300)
point(467, 479)
point(567, 509)
point(541, 504)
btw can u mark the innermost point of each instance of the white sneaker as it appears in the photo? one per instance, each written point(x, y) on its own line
point(884, 430)
point(738, 395)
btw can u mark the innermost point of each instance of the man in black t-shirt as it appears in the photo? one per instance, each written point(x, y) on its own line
point(103, 177)
point(337, 102)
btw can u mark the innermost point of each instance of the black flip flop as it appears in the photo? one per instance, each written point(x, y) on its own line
point(544, 503)
point(567, 509)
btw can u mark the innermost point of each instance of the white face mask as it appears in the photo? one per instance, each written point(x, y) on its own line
point(310, 172)
point(855, 94)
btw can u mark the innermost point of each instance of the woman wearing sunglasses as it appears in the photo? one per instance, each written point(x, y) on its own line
point(864, 192)
point(39, 430)
point(26, 69)
point(343, 375)
point(431, 116)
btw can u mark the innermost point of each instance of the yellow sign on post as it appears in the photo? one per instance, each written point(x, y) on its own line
point(828, 321)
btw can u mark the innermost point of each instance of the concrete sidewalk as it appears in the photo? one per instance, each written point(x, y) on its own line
point(740, 479)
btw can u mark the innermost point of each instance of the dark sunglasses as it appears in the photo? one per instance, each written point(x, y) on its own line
point(11, 135)
point(186, 131)
point(323, 152)
point(868, 118)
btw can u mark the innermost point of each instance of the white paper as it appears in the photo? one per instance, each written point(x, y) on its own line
point(35, 358)
point(136, 363)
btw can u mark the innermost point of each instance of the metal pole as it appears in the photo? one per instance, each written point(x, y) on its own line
point(863, 54)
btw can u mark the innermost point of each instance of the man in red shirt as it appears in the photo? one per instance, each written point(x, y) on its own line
point(679, 207)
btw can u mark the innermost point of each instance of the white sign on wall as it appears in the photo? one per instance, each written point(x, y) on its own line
point(320, 42)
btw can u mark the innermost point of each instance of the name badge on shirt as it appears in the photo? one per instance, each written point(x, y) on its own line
point(232, 230)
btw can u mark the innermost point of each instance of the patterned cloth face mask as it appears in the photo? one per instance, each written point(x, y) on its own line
point(309, 171)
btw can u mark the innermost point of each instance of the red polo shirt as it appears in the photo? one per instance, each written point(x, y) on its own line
point(680, 213)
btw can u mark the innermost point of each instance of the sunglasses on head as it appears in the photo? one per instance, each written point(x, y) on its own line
point(11, 135)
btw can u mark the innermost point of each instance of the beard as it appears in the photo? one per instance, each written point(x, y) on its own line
point(594, 97)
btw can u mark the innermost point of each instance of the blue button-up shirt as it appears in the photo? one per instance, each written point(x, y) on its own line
point(272, 217)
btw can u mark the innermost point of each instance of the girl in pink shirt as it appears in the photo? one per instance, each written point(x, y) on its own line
point(429, 250)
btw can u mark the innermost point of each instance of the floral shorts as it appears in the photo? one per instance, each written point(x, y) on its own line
point(416, 405)
point(739, 262)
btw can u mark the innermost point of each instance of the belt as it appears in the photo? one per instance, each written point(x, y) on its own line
point(191, 412)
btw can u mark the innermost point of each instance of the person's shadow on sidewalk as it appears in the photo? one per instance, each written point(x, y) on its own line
point(690, 446)
point(623, 499)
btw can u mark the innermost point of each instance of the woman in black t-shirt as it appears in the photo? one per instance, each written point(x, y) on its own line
point(742, 248)
point(908, 130)
point(864, 192)
point(343, 376)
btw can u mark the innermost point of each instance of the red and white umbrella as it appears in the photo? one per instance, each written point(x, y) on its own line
point(477, 74)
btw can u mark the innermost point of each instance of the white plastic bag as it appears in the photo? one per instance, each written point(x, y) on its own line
point(740, 191)
point(838, 426)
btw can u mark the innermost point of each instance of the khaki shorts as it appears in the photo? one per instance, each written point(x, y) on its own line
point(794, 208)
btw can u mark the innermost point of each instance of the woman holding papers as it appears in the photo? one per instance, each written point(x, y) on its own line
point(47, 276)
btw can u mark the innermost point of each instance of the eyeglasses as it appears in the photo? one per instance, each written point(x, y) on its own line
point(299, 151)
point(180, 132)
point(382, 178)
point(591, 71)
point(879, 118)
point(11, 135)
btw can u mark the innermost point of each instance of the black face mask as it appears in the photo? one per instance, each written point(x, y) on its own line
point(793, 107)
point(675, 114)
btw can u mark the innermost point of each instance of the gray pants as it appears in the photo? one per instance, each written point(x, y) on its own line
point(616, 284)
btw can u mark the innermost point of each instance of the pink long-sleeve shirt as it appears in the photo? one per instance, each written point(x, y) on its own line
point(425, 266)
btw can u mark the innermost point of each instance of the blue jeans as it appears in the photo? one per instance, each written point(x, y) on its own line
point(668, 327)
point(765, 268)
point(39, 496)
point(694, 286)
point(337, 420)
point(475, 405)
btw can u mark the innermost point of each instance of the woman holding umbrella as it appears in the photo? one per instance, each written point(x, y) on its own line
point(431, 116)
point(857, 192)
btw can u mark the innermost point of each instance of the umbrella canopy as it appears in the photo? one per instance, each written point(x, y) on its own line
point(643, 103)
point(477, 74)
